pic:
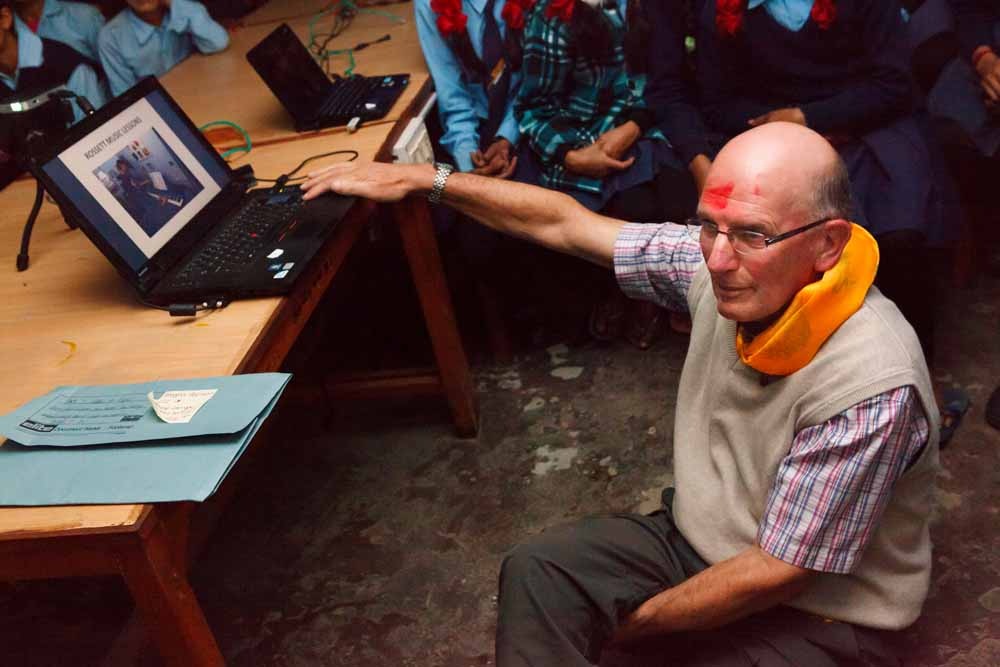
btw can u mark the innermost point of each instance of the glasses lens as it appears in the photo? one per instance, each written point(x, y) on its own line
point(747, 242)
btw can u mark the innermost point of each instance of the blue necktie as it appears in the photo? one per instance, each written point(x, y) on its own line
point(496, 92)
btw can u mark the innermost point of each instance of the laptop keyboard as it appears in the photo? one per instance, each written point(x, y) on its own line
point(237, 244)
point(348, 96)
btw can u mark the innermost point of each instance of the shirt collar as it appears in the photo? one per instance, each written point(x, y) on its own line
point(29, 52)
point(29, 46)
point(53, 7)
point(143, 30)
point(791, 14)
point(479, 5)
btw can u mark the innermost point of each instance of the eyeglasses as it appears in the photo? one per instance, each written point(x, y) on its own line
point(744, 241)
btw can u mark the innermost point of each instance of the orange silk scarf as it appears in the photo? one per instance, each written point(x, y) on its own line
point(816, 312)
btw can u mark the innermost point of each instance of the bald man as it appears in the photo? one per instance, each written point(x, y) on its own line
point(805, 439)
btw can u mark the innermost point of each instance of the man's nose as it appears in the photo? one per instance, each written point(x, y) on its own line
point(721, 256)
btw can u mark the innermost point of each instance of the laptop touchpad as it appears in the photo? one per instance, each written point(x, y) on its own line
point(318, 215)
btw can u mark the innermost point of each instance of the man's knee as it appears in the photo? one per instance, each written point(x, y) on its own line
point(531, 560)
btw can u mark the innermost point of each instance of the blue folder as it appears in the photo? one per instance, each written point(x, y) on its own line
point(158, 469)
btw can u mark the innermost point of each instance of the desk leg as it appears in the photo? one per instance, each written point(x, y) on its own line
point(164, 598)
point(414, 221)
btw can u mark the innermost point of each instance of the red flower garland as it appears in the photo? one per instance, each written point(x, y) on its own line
point(513, 13)
point(452, 20)
point(824, 13)
point(450, 17)
point(729, 15)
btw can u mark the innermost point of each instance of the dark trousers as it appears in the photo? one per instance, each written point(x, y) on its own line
point(670, 197)
point(563, 593)
point(905, 276)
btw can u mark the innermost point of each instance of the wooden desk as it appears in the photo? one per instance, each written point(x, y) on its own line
point(225, 87)
point(280, 11)
point(65, 320)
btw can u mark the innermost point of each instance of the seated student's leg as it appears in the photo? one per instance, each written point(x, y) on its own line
point(671, 196)
point(640, 203)
point(563, 593)
point(897, 200)
point(904, 276)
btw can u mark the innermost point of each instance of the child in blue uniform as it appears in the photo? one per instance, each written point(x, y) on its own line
point(73, 23)
point(472, 128)
point(30, 64)
point(151, 36)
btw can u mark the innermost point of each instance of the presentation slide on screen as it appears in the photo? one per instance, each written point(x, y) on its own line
point(138, 170)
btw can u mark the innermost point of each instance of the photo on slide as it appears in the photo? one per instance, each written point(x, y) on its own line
point(149, 181)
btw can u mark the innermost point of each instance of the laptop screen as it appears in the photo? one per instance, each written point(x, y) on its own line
point(140, 177)
point(290, 72)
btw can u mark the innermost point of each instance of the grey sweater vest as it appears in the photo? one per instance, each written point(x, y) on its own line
point(732, 430)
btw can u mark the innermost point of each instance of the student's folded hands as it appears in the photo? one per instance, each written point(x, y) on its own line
point(592, 161)
point(498, 160)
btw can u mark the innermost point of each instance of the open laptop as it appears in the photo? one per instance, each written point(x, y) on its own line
point(150, 191)
point(314, 101)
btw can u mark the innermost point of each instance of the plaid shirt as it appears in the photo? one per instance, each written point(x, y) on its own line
point(567, 102)
point(835, 482)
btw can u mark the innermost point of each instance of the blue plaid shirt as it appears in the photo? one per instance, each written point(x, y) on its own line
point(567, 102)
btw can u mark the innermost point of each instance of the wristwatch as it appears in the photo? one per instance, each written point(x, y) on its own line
point(440, 178)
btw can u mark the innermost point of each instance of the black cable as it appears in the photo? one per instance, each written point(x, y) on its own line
point(341, 20)
point(290, 177)
point(364, 45)
point(187, 309)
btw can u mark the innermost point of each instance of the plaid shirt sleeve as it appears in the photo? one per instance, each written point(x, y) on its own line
point(546, 74)
point(657, 263)
point(835, 482)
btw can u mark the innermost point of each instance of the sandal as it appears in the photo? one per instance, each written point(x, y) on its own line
point(956, 404)
point(644, 324)
point(607, 317)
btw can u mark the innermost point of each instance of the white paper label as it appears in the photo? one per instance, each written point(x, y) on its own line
point(178, 407)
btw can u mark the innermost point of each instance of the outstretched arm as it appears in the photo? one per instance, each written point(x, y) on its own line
point(546, 217)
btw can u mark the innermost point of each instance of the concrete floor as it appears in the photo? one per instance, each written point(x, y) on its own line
point(371, 536)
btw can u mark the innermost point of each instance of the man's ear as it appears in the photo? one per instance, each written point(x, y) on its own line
point(834, 237)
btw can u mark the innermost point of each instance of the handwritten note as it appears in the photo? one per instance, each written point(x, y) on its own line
point(178, 407)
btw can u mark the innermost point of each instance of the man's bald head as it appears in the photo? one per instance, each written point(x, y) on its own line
point(793, 168)
point(773, 179)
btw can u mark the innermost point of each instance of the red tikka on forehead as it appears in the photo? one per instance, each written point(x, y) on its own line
point(718, 197)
